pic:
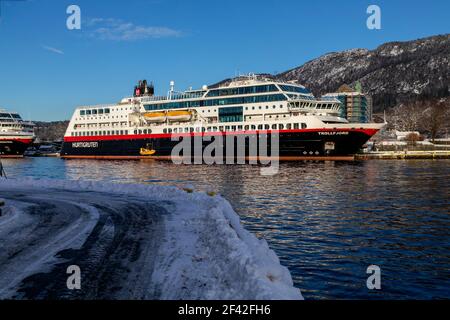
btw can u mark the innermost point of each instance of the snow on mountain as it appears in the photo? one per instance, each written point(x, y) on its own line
point(393, 73)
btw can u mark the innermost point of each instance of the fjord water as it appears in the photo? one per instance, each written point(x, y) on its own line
point(327, 221)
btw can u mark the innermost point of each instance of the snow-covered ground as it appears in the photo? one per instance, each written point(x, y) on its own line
point(130, 242)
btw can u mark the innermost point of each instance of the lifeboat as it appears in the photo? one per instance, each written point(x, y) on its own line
point(179, 115)
point(146, 152)
point(155, 116)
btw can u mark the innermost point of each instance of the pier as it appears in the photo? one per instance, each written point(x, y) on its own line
point(404, 155)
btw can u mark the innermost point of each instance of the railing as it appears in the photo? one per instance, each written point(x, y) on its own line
point(97, 106)
point(174, 96)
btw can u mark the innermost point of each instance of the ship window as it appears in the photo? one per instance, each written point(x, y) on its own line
point(100, 111)
point(186, 130)
point(82, 112)
point(164, 131)
point(208, 129)
point(267, 127)
point(121, 132)
point(214, 129)
point(140, 131)
point(288, 126)
point(274, 126)
point(220, 128)
point(246, 127)
point(168, 130)
point(94, 111)
point(191, 129)
point(239, 127)
point(233, 128)
point(231, 114)
point(296, 126)
point(253, 127)
point(175, 130)
point(203, 129)
point(281, 126)
point(135, 131)
point(304, 126)
point(88, 112)
point(227, 128)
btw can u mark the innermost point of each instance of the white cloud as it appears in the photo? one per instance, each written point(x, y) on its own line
point(54, 50)
point(119, 30)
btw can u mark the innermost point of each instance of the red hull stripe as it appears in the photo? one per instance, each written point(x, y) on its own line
point(26, 141)
point(369, 132)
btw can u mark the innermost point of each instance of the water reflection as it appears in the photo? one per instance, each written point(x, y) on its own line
point(327, 221)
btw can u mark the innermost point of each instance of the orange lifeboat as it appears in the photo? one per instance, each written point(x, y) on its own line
point(179, 115)
point(155, 116)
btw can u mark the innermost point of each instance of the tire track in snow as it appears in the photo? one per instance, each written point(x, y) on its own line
point(114, 241)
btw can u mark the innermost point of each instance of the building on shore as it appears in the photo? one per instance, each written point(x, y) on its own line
point(355, 105)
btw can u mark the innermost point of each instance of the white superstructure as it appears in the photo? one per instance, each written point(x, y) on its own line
point(246, 103)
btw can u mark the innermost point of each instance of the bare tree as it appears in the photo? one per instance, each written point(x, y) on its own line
point(436, 117)
point(406, 117)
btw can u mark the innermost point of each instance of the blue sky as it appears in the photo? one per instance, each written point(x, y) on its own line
point(47, 70)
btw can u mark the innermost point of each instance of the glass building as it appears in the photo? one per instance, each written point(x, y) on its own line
point(355, 105)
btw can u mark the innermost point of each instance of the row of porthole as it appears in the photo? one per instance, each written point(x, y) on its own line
point(311, 153)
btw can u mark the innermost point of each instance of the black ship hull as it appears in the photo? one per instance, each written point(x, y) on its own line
point(14, 148)
point(286, 145)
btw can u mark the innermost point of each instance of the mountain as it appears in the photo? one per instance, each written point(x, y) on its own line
point(393, 73)
point(50, 131)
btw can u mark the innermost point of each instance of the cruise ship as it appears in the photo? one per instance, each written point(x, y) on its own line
point(144, 125)
point(16, 135)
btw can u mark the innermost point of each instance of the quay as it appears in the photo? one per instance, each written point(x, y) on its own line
point(401, 155)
